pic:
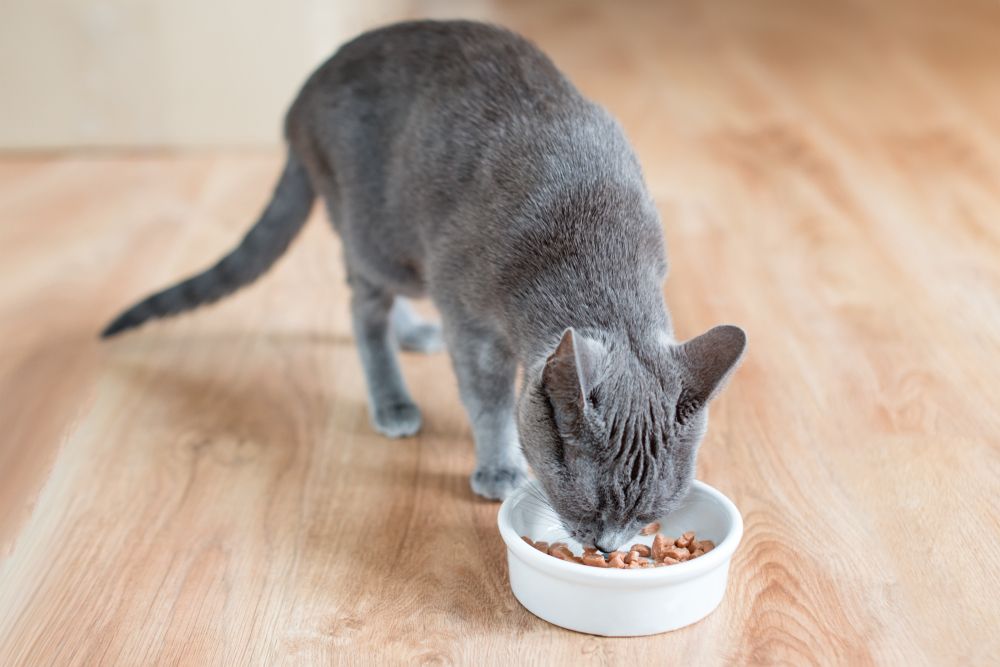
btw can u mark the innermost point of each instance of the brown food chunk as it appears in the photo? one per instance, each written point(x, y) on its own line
point(660, 546)
point(560, 550)
point(651, 528)
point(641, 548)
point(594, 560)
point(677, 553)
point(665, 551)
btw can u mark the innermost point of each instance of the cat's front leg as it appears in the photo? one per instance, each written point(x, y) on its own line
point(486, 372)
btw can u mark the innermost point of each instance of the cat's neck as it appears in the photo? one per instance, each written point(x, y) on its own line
point(588, 255)
point(637, 322)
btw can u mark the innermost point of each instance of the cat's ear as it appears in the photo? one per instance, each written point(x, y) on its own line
point(569, 374)
point(708, 360)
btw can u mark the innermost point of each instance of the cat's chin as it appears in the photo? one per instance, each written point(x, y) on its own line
point(497, 482)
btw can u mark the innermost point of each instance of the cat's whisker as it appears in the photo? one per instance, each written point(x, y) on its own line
point(537, 494)
point(543, 508)
point(542, 511)
point(544, 514)
point(539, 500)
point(537, 504)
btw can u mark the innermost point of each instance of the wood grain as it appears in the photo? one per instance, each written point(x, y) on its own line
point(208, 490)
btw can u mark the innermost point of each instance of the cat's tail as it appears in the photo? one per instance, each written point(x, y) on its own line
point(266, 241)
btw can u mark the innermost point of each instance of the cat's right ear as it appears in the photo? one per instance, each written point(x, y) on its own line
point(569, 374)
point(708, 361)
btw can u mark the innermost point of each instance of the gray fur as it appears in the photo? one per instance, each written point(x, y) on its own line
point(457, 162)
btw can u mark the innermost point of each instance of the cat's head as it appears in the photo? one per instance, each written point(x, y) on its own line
point(611, 432)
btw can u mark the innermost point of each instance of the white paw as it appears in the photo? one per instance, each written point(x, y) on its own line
point(497, 482)
point(424, 338)
point(397, 420)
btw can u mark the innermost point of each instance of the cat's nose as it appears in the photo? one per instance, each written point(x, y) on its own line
point(610, 540)
point(606, 546)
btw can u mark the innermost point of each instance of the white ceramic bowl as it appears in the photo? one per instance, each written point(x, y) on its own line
point(621, 603)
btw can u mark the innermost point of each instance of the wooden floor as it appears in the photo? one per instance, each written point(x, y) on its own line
point(208, 490)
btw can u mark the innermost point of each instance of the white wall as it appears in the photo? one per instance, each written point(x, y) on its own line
point(142, 73)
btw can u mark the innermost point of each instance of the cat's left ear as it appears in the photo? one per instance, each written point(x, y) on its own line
point(708, 361)
point(570, 373)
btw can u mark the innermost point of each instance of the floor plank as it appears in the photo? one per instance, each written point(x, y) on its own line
point(208, 490)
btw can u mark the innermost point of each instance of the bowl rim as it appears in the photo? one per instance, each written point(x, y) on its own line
point(717, 557)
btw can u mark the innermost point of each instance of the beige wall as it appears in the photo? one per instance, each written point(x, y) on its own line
point(139, 73)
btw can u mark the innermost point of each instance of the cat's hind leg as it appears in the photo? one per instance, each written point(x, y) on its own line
point(392, 410)
point(413, 332)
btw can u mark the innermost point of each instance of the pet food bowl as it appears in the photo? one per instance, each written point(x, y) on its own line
point(613, 602)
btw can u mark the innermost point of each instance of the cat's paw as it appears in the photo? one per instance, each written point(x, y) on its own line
point(497, 482)
point(397, 419)
point(423, 337)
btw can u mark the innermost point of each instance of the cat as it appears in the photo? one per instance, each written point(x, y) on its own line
point(457, 161)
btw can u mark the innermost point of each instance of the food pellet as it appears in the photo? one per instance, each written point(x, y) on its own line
point(677, 553)
point(650, 529)
point(594, 560)
point(641, 548)
point(560, 550)
point(660, 546)
point(665, 551)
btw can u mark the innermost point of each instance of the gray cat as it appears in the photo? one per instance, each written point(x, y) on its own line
point(457, 162)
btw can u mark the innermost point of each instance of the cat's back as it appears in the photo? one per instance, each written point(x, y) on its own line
point(462, 61)
point(437, 143)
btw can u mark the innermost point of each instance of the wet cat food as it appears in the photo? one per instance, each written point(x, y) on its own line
point(665, 551)
point(650, 529)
